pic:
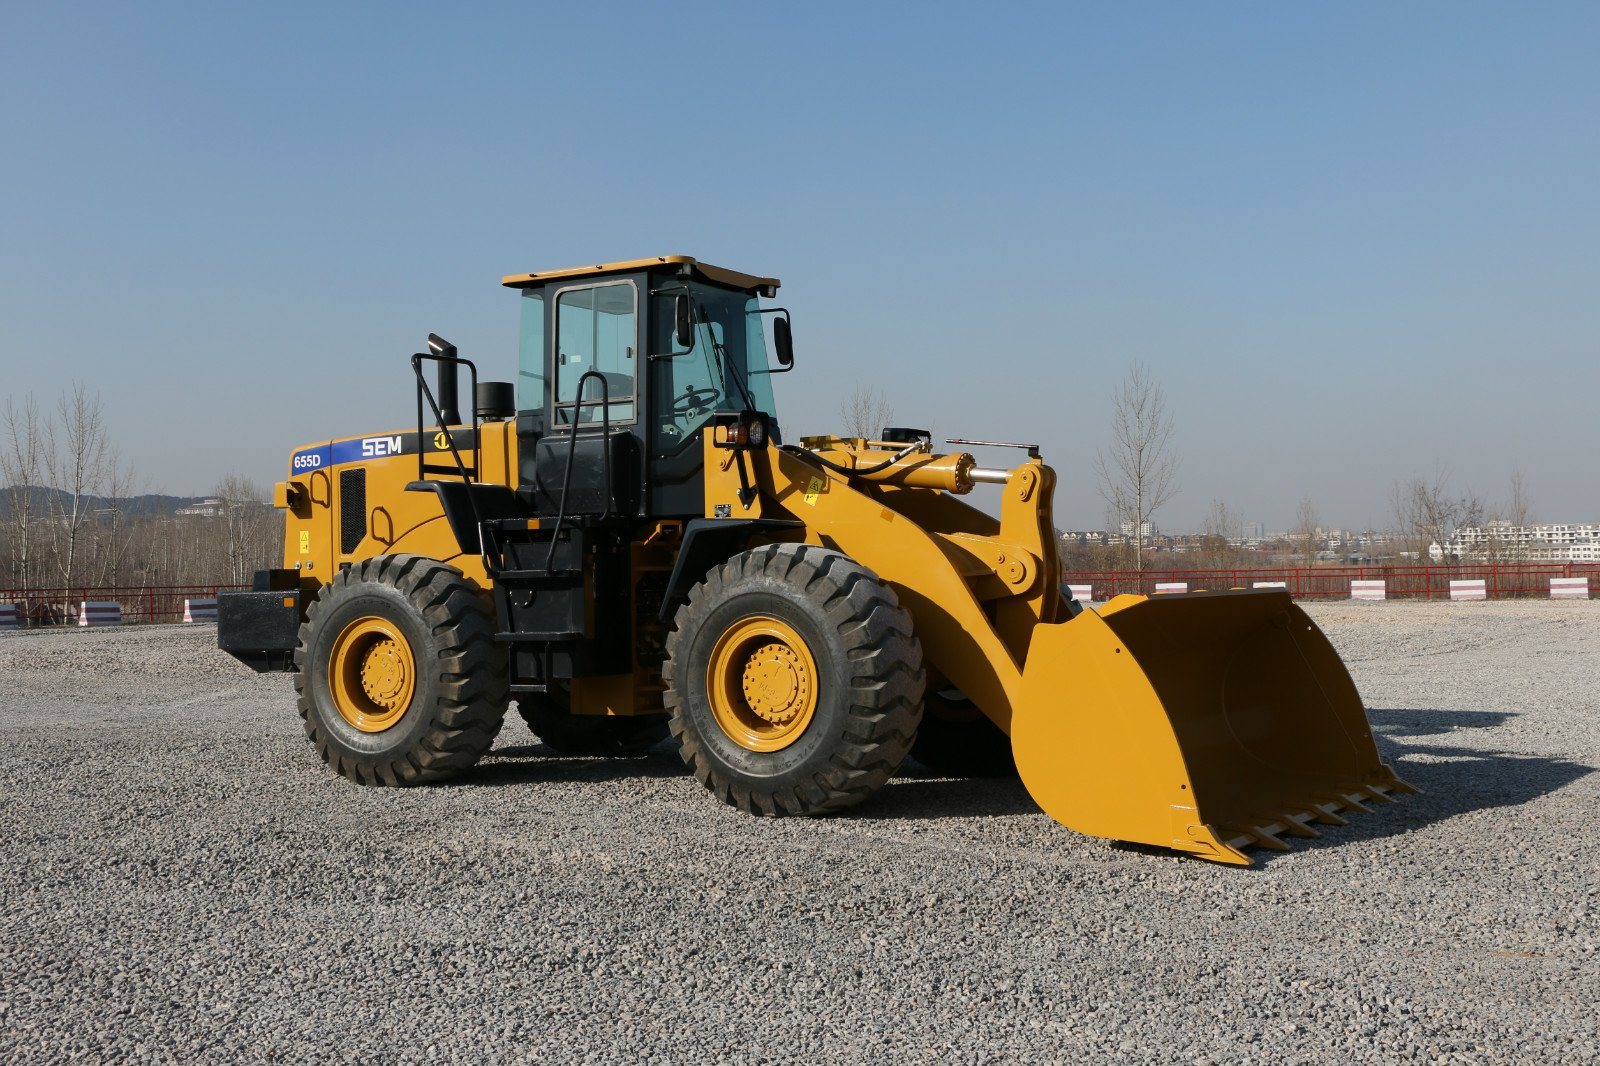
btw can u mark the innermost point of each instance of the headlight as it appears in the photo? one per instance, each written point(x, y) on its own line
point(756, 433)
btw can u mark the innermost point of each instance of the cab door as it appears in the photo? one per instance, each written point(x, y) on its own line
point(596, 349)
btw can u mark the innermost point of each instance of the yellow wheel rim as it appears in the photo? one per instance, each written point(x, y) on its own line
point(762, 684)
point(372, 674)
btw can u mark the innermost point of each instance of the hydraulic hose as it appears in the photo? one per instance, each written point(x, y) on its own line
point(856, 471)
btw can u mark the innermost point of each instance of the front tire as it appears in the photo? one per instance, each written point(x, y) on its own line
point(399, 679)
point(794, 681)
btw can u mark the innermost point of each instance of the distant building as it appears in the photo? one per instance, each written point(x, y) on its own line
point(210, 507)
point(1554, 543)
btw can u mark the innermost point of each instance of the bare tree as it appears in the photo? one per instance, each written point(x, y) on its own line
point(1519, 510)
point(1139, 474)
point(22, 467)
point(75, 464)
point(68, 516)
point(1308, 530)
point(865, 413)
point(1474, 511)
point(112, 533)
point(1427, 513)
point(1221, 521)
point(246, 521)
point(1508, 527)
point(1221, 532)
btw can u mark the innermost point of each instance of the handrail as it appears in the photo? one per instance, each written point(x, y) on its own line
point(424, 391)
point(572, 450)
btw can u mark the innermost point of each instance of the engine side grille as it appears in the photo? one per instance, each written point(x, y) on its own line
point(352, 509)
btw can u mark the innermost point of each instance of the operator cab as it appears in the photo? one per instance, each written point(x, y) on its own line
point(623, 365)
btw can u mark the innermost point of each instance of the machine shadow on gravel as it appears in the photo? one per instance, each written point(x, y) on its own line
point(534, 763)
point(918, 793)
point(915, 792)
point(1464, 779)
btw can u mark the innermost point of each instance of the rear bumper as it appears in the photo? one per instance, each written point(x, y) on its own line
point(261, 628)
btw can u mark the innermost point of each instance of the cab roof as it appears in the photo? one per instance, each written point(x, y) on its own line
point(685, 264)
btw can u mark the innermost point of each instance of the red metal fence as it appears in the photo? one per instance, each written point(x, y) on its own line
point(1501, 580)
point(163, 603)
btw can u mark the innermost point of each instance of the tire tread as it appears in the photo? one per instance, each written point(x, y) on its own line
point(470, 670)
point(885, 691)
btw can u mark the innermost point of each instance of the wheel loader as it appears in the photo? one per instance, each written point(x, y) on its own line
point(626, 544)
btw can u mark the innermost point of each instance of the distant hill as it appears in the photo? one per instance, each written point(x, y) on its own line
point(147, 504)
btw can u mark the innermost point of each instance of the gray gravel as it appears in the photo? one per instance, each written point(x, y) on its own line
point(184, 881)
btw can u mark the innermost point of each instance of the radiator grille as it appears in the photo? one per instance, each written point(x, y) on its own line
point(352, 509)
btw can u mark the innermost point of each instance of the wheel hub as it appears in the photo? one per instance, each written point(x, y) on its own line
point(383, 675)
point(774, 685)
point(762, 683)
point(372, 674)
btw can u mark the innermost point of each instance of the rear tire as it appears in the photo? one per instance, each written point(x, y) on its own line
point(398, 676)
point(794, 681)
point(566, 733)
point(956, 740)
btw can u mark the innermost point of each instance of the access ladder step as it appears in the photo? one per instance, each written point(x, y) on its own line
point(546, 636)
point(534, 577)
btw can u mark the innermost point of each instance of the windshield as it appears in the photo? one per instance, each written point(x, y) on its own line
point(726, 369)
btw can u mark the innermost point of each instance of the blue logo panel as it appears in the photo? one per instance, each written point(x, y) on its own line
point(309, 459)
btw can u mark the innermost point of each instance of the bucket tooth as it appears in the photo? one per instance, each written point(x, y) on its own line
point(1297, 820)
point(1267, 837)
point(1208, 842)
point(1353, 803)
point(1386, 784)
point(1323, 812)
point(1295, 825)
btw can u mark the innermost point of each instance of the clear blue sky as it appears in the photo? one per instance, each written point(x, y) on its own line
point(1352, 241)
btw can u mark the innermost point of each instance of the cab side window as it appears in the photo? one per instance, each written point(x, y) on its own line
point(596, 330)
point(530, 374)
point(687, 387)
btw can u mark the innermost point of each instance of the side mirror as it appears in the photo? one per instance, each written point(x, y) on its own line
point(782, 342)
point(683, 321)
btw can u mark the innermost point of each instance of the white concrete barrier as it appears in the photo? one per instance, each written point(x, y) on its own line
point(11, 616)
point(1269, 584)
point(99, 613)
point(1471, 589)
point(1569, 588)
point(1369, 590)
point(1081, 593)
point(1171, 586)
point(204, 610)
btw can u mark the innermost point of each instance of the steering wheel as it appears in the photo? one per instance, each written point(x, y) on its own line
point(692, 399)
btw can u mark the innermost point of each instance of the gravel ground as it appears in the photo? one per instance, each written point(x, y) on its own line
point(184, 881)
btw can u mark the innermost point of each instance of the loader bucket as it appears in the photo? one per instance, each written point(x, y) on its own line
point(1206, 722)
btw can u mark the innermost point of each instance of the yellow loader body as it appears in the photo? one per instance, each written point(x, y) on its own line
point(623, 541)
